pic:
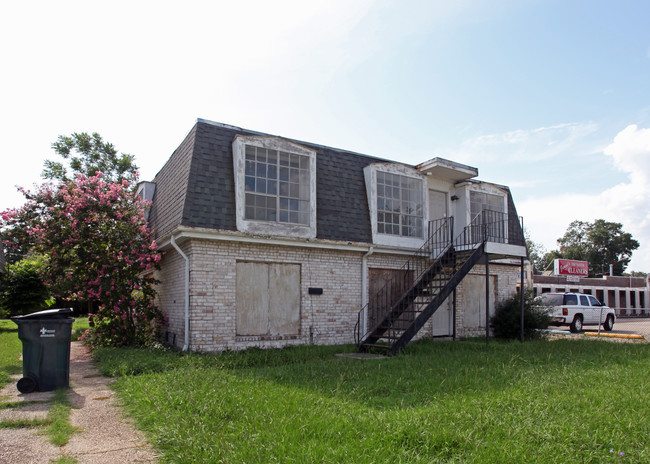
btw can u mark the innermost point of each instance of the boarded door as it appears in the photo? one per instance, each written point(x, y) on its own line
point(268, 299)
point(385, 287)
point(474, 289)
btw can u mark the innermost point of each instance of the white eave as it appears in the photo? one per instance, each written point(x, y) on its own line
point(446, 169)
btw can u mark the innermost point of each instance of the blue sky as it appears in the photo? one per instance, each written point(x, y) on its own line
point(549, 97)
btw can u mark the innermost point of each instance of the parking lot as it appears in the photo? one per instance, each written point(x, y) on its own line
point(623, 326)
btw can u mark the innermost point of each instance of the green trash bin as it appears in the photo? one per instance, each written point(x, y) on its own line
point(46, 349)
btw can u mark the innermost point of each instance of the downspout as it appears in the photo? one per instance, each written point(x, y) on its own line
point(364, 283)
point(186, 346)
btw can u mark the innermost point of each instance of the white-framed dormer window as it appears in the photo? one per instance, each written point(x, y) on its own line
point(275, 183)
point(480, 201)
point(400, 209)
point(397, 199)
point(488, 197)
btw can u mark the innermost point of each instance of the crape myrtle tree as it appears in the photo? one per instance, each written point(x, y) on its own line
point(80, 153)
point(87, 154)
point(97, 247)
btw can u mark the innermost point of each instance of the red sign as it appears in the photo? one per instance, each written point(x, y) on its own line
point(571, 267)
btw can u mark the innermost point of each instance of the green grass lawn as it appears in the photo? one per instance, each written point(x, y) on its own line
point(452, 402)
point(10, 350)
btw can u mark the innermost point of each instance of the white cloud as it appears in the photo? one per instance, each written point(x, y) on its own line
point(526, 145)
point(548, 217)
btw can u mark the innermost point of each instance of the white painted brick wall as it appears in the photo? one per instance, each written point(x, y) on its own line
point(329, 318)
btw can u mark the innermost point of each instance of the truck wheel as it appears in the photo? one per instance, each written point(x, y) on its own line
point(576, 325)
point(609, 323)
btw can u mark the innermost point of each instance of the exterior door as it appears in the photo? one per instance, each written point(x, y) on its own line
point(474, 293)
point(442, 319)
point(438, 210)
point(437, 204)
point(385, 287)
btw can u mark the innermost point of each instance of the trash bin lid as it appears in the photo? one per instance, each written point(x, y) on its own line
point(61, 313)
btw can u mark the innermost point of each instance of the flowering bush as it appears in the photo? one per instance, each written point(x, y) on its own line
point(97, 247)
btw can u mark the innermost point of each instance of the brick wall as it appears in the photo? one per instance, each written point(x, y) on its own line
point(171, 293)
point(325, 319)
point(503, 282)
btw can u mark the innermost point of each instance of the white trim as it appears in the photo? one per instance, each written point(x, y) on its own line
point(505, 249)
point(264, 227)
point(370, 175)
point(186, 292)
point(490, 189)
point(184, 233)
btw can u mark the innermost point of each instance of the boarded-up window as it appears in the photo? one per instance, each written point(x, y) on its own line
point(268, 299)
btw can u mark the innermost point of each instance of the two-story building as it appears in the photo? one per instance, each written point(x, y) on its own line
point(270, 241)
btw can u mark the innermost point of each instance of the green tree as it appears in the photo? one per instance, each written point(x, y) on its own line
point(601, 243)
point(87, 154)
point(99, 249)
point(22, 290)
point(638, 274)
point(539, 257)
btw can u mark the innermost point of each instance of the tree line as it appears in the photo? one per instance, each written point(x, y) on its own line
point(601, 243)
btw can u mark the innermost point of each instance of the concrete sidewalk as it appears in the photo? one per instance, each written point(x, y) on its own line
point(105, 436)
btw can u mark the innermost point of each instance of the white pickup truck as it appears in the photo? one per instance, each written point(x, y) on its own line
point(577, 309)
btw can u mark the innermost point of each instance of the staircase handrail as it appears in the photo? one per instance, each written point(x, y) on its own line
point(439, 240)
point(486, 226)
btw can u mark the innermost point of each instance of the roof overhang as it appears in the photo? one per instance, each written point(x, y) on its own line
point(446, 169)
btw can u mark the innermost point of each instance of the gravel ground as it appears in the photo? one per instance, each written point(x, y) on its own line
point(105, 436)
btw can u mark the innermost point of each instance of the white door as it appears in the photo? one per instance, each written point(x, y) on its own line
point(437, 204)
point(438, 210)
point(442, 319)
point(473, 287)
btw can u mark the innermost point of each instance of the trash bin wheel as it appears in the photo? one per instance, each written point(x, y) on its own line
point(27, 384)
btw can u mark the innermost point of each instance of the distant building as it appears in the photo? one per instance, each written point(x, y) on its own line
point(629, 296)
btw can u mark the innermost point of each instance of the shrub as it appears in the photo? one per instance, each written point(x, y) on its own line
point(21, 289)
point(506, 321)
point(98, 248)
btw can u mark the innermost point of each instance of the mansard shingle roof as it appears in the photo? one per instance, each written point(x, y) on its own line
point(196, 187)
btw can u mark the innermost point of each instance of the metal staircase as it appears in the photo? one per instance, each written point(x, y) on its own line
point(395, 314)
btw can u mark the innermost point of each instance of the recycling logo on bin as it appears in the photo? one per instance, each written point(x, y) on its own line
point(47, 332)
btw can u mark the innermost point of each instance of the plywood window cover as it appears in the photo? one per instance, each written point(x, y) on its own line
point(268, 301)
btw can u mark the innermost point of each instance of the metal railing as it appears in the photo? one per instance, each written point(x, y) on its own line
point(486, 226)
point(438, 241)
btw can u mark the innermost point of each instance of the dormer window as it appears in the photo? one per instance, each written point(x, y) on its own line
point(398, 203)
point(275, 182)
point(277, 186)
